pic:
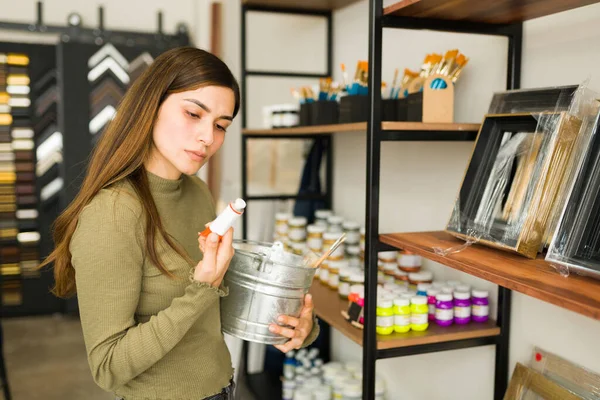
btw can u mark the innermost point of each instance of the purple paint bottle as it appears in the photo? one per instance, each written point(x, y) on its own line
point(444, 309)
point(462, 307)
point(480, 309)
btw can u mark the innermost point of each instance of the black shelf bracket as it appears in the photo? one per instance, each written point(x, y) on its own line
point(436, 347)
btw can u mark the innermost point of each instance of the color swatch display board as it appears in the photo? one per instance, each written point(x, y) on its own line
point(28, 99)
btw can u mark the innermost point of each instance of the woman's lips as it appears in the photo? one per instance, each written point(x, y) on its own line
point(196, 156)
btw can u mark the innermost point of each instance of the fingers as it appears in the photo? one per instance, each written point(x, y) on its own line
point(307, 310)
point(283, 331)
point(210, 251)
point(291, 345)
point(287, 320)
point(201, 242)
point(226, 251)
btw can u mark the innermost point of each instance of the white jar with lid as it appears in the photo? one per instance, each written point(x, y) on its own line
point(419, 277)
point(329, 238)
point(324, 272)
point(288, 387)
point(335, 223)
point(344, 282)
point(303, 394)
point(387, 256)
point(321, 217)
point(281, 223)
point(314, 239)
point(352, 391)
point(334, 272)
point(362, 239)
point(339, 384)
point(297, 229)
point(353, 256)
point(323, 392)
point(352, 230)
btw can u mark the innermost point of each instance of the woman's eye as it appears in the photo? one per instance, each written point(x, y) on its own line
point(219, 127)
point(191, 114)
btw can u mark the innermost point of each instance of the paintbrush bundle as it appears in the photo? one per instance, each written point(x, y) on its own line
point(326, 90)
point(448, 66)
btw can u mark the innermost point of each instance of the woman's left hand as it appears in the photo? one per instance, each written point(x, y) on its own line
point(301, 327)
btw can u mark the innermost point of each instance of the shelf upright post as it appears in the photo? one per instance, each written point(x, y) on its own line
point(513, 81)
point(372, 200)
point(244, 120)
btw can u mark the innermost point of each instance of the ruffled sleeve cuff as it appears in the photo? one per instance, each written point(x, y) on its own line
point(314, 333)
point(221, 291)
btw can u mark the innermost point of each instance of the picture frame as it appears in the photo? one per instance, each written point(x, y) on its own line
point(573, 377)
point(515, 173)
point(527, 384)
point(576, 243)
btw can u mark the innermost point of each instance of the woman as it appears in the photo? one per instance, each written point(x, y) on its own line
point(129, 246)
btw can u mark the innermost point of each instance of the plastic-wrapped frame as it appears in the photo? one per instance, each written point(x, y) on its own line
point(514, 181)
point(527, 384)
point(576, 244)
point(578, 380)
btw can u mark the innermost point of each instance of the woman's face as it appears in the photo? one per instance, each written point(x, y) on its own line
point(190, 128)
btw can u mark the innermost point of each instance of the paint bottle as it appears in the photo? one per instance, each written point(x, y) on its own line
point(289, 366)
point(422, 289)
point(401, 315)
point(362, 241)
point(289, 387)
point(329, 238)
point(226, 219)
point(419, 313)
point(281, 225)
point(385, 316)
point(419, 277)
point(353, 256)
point(297, 229)
point(480, 309)
point(462, 307)
point(444, 309)
point(352, 230)
point(409, 262)
point(431, 300)
point(335, 224)
point(321, 217)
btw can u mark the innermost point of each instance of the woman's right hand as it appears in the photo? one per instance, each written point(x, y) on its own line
point(217, 256)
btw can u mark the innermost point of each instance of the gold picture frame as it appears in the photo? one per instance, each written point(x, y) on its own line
point(527, 384)
point(515, 174)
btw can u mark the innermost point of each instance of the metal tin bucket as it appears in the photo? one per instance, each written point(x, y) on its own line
point(261, 290)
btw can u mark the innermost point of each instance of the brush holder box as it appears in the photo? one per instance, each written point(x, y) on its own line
point(354, 109)
point(304, 114)
point(324, 112)
point(394, 110)
point(414, 107)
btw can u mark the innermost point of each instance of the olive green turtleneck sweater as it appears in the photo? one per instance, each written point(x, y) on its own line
point(149, 336)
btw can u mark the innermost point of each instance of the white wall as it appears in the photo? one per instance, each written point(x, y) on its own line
point(420, 181)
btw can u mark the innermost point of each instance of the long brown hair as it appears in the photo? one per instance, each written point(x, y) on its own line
point(125, 146)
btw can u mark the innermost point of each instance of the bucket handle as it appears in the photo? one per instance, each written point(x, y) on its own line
point(261, 264)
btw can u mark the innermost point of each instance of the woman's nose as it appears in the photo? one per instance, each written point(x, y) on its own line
point(205, 133)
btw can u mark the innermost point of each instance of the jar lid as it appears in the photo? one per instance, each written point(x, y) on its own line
point(384, 302)
point(418, 300)
point(323, 214)
point(338, 264)
point(357, 277)
point(453, 284)
point(332, 235)
point(315, 229)
point(283, 216)
point(438, 284)
point(444, 297)
point(345, 272)
point(351, 225)
point(480, 294)
point(335, 220)
point(353, 250)
point(423, 287)
point(353, 366)
point(401, 301)
point(297, 221)
point(353, 389)
point(390, 266)
point(387, 254)
point(433, 292)
point(462, 295)
point(463, 288)
point(420, 276)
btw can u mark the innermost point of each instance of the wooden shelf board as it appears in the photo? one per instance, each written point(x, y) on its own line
point(491, 12)
point(362, 126)
point(321, 5)
point(535, 278)
point(328, 307)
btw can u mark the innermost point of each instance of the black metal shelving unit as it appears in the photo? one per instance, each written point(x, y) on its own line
point(264, 385)
point(375, 137)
